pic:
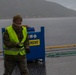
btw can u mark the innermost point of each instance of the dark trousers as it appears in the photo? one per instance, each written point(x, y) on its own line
point(11, 61)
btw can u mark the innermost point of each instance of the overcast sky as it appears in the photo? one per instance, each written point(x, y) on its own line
point(67, 3)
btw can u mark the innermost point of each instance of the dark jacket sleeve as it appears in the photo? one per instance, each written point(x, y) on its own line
point(7, 41)
point(26, 43)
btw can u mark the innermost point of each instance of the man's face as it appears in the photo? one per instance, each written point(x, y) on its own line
point(18, 22)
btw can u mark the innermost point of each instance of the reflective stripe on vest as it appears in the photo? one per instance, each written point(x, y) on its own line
point(13, 38)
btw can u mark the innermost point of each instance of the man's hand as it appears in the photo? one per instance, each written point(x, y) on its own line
point(18, 46)
point(26, 26)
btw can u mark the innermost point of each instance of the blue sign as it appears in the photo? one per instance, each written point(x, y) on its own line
point(37, 45)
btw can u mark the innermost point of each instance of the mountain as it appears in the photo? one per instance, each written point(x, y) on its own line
point(33, 8)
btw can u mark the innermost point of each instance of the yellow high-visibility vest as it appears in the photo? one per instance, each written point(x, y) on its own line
point(13, 38)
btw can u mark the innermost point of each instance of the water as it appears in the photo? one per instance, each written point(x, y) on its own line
point(58, 31)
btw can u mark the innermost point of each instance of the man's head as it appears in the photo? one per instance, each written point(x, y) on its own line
point(17, 20)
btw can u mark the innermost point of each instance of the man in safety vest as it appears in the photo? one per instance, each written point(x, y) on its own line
point(16, 45)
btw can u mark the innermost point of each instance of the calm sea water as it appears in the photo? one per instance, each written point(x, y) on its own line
point(58, 31)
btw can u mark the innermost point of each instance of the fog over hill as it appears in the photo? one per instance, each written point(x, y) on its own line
point(33, 8)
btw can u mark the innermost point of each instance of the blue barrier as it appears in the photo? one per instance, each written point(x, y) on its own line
point(37, 44)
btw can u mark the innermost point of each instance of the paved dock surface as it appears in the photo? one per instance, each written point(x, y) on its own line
point(52, 66)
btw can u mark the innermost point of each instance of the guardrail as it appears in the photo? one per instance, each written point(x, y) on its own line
point(61, 50)
point(61, 46)
point(1, 51)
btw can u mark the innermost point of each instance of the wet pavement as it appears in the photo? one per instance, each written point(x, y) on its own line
point(52, 66)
